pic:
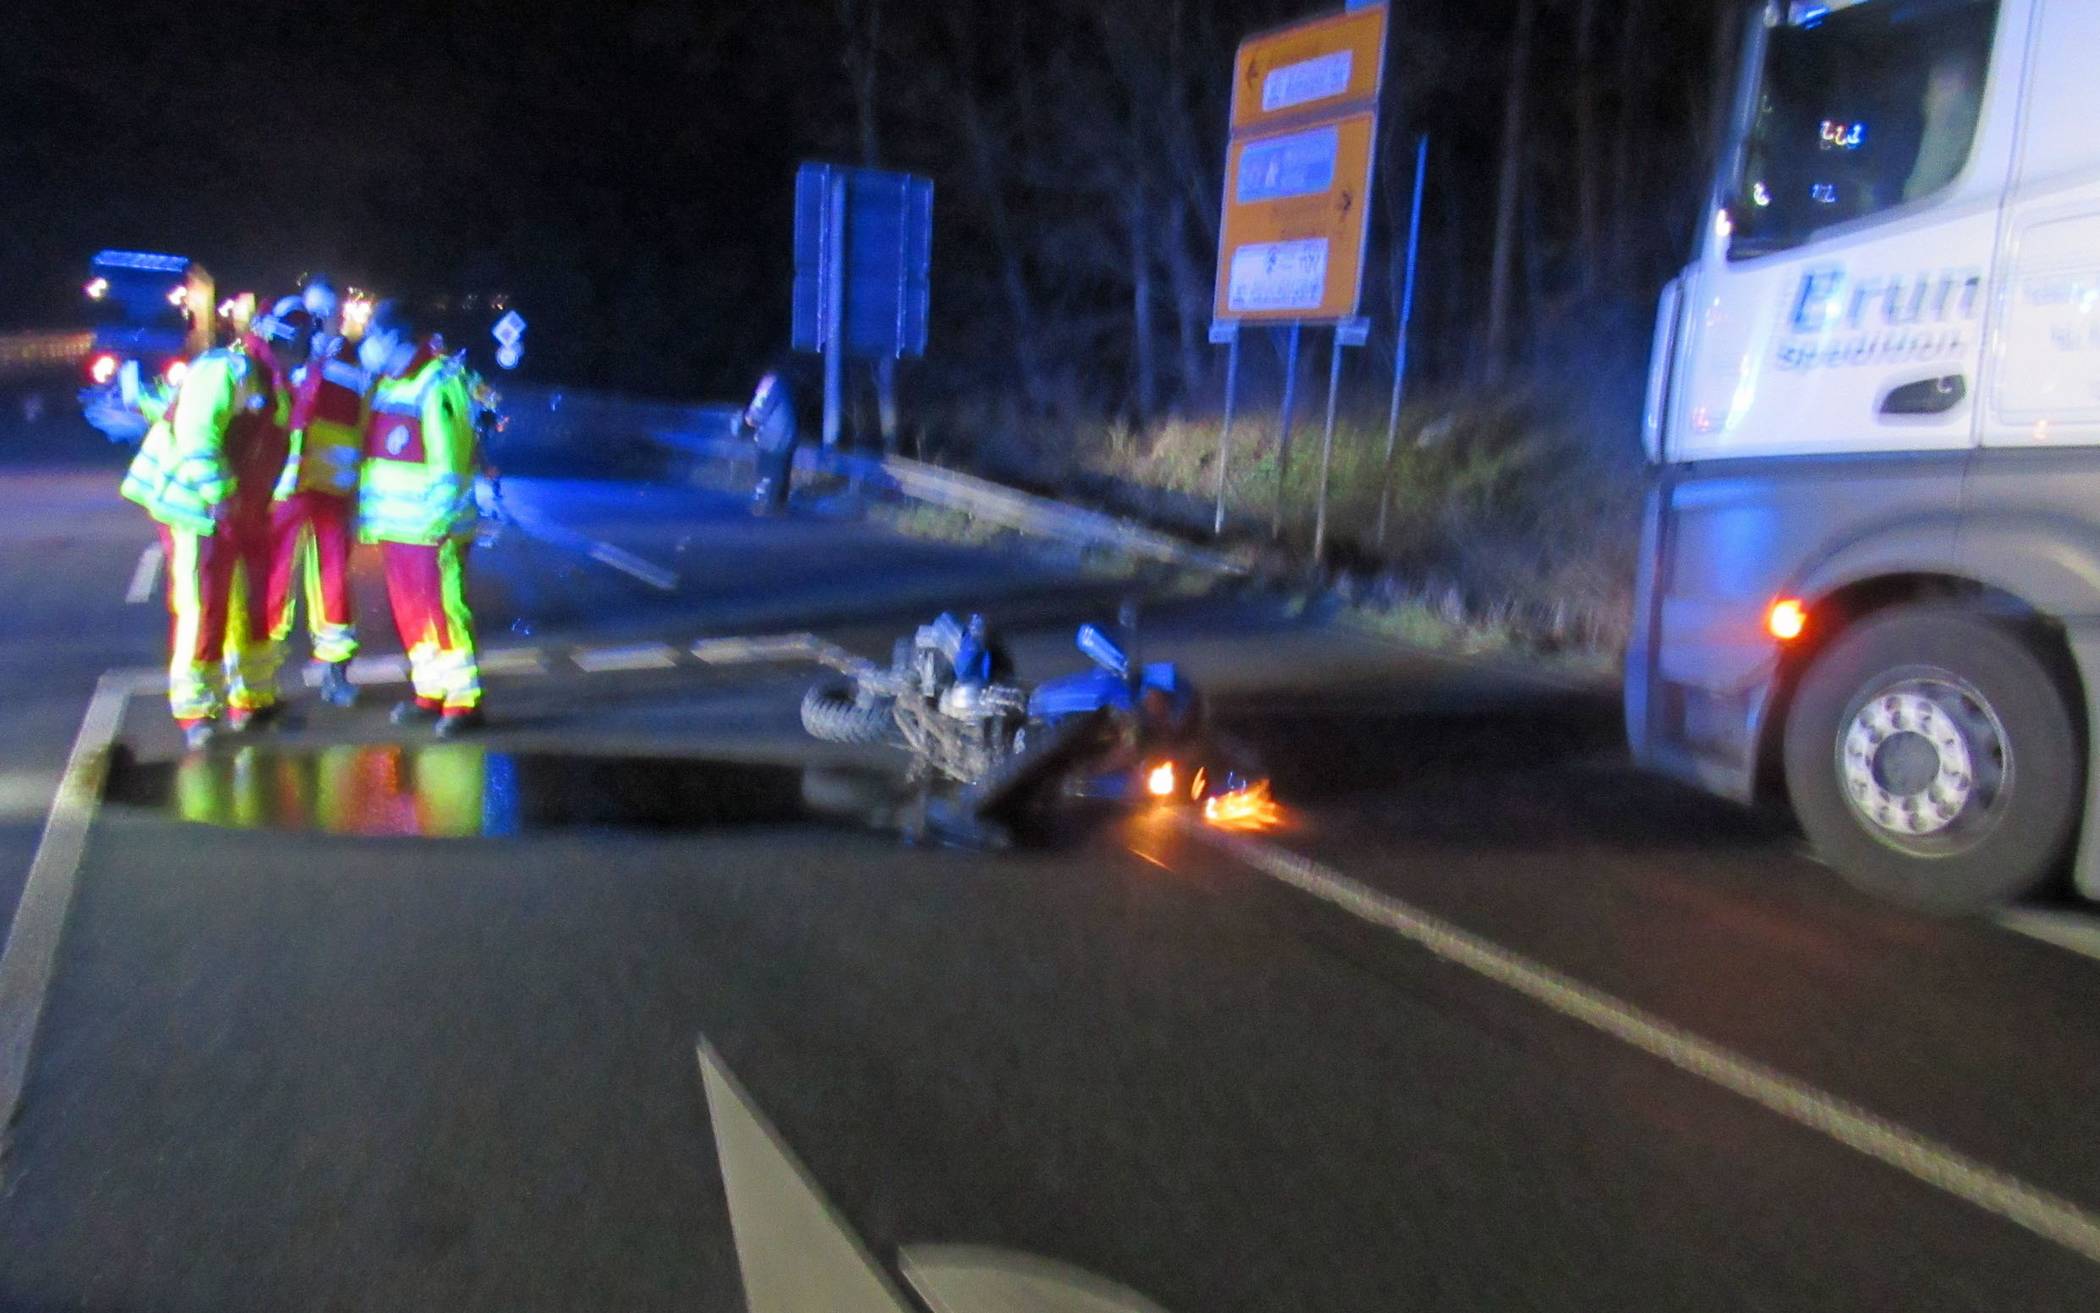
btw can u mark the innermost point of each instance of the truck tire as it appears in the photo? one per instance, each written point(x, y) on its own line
point(1931, 759)
point(834, 713)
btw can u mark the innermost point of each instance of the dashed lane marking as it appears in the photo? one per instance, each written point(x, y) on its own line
point(512, 661)
point(47, 893)
point(769, 647)
point(378, 670)
point(2054, 1218)
point(641, 656)
point(146, 574)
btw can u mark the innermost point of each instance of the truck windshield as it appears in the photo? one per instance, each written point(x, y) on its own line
point(140, 300)
point(1859, 109)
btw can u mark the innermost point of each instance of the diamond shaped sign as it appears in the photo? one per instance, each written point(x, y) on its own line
point(509, 329)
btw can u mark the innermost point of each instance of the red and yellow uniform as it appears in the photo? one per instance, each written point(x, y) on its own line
point(313, 523)
point(416, 500)
point(206, 472)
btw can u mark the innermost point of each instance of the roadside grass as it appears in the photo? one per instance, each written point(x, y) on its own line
point(1493, 526)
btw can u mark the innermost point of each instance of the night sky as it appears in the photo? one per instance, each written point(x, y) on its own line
point(624, 168)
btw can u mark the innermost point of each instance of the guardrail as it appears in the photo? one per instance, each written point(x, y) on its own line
point(992, 502)
point(26, 352)
point(561, 422)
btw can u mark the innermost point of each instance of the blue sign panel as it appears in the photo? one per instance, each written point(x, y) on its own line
point(886, 259)
point(1301, 164)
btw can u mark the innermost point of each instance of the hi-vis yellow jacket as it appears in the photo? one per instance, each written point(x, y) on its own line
point(418, 478)
point(226, 422)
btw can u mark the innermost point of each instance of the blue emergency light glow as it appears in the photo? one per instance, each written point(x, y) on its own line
point(159, 264)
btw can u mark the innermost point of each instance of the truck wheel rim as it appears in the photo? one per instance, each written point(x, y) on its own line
point(1925, 763)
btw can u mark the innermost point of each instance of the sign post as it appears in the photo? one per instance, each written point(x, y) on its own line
point(1283, 426)
point(1228, 333)
point(1407, 312)
point(863, 258)
point(1298, 163)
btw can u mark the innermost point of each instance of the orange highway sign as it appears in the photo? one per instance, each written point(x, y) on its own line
point(1298, 170)
point(1316, 67)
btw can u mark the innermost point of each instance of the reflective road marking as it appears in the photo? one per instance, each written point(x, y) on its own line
point(642, 656)
point(146, 575)
point(40, 917)
point(795, 1251)
point(634, 567)
point(2050, 1216)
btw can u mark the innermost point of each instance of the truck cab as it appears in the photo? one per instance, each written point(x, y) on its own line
point(152, 315)
point(1870, 571)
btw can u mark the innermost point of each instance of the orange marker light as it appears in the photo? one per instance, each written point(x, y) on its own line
point(1787, 619)
point(1161, 781)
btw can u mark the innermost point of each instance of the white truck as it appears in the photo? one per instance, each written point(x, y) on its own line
point(1870, 572)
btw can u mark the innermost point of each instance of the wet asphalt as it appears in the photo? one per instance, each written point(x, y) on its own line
point(345, 1018)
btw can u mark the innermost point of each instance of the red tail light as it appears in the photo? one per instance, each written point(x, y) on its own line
point(102, 369)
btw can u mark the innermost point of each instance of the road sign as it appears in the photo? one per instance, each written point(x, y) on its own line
point(509, 329)
point(1317, 67)
point(509, 354)
point(869, 264)
point(1298, 170)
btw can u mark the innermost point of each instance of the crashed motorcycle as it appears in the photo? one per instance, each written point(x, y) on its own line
point(991, 756)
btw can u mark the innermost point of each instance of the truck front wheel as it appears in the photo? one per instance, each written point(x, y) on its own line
point(1931, 759)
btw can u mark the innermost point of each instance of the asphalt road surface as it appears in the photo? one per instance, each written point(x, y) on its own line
point(344, 1019)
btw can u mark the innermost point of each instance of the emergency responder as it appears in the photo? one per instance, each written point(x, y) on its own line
point(416, 500)
point(313, 522)
point(771, 419)
point(206, 473)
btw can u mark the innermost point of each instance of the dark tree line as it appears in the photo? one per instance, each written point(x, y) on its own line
point(1079, 152)
point(623, 170)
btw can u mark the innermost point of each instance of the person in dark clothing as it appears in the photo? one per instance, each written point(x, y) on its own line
point(770, 418)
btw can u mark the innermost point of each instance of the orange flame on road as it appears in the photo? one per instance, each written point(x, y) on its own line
point(1251, 808)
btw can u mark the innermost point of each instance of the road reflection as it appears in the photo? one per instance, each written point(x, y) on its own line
point(467, 791)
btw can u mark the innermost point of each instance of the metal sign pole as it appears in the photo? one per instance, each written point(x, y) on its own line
point(1232, 395)
point(1334, 388)
point(1407, 311)
point(835, 311)
point(1283, 438)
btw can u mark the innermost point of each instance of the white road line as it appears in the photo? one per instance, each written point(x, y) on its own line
point(379, 670)
point(2050, 1216)
point(393, 670)
point(512, 661)
point(31, 954)
point(2071, 931)
point(742, 651)
point(633, 566)
point(642, 656)
point(25, 794)
point(146, 574)
point(793, 1249)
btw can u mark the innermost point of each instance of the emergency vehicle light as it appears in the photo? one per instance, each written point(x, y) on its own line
point(160, 264)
